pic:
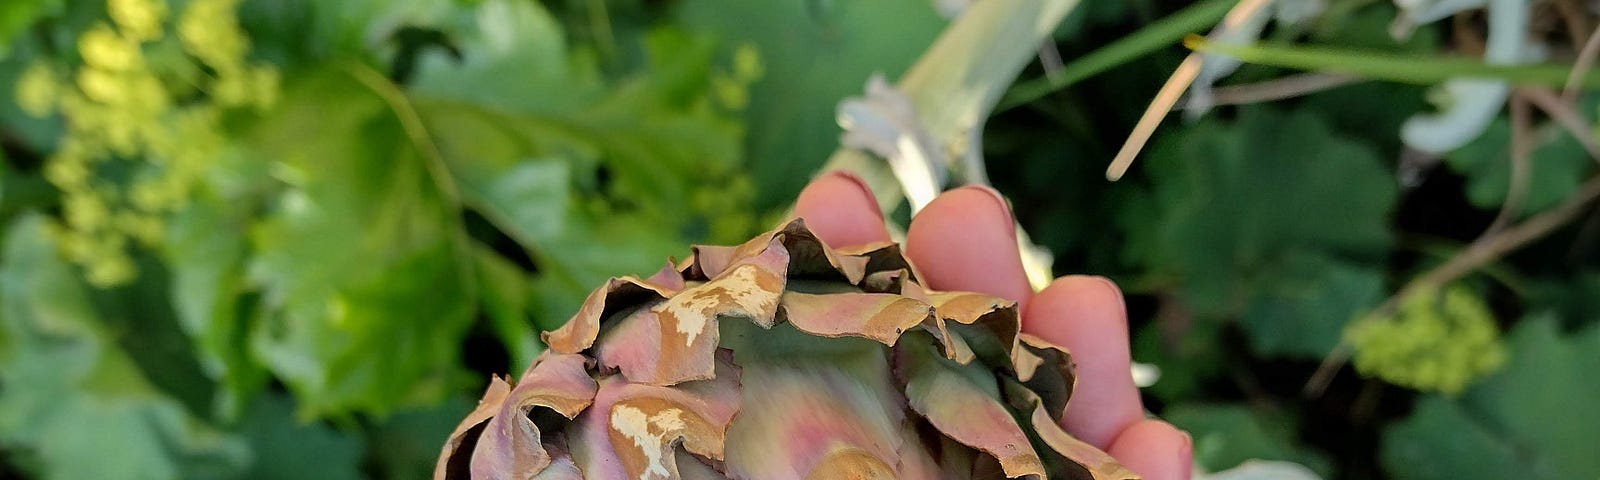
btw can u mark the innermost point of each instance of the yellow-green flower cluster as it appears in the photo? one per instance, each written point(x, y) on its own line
point(153, 121)
point(1434, 342)
point(732, 89)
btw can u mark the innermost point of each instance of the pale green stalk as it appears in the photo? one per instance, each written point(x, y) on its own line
point(956, 84)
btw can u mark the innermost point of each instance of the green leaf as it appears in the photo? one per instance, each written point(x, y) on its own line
point(205, 250)
point(506, 297)
point(1532, 420)
point(591, 251)
point(289, 448)
point(16, 16)
point(1441, 440)
point(514, 57)
point(654, 131)
point(305, 34)
point(1572, 297)
point(1300, 306)
point(816, 54)
point(75, 405)
point(1555, 167)
point(1230, 200)
point(406, 445)
point(1226, 435)
point(365, 269)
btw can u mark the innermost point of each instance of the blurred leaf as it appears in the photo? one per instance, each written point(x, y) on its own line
point(365, 268)
point(36, 134)
point(815, 54)
point(506, 297)
point(16, 16)
point(1226, 435)
point(1186, 361)
point(289, 448)
point(406, 445)
point(513, 57)
point(205, 249)
point(1532, 420)
point(619, 162)
point(1230, 199)
point(304, 34)
point(1556, 166)
point(1575, 298)
point(1302, 304)
point(75, 405)
point(1366, 25)
point(591, 251)
point(654, 130)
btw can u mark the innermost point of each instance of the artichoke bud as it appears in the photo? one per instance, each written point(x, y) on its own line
point(781, 358)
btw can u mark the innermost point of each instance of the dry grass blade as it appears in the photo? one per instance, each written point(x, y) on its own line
point(1172, 91)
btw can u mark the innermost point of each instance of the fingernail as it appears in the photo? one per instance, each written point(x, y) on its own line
point(1186, 455)
point(1001, 202)
point(1109, 285)
point(861, 185)
point(1116, 292)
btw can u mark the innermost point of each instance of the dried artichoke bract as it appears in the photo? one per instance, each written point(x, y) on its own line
point(781, 359)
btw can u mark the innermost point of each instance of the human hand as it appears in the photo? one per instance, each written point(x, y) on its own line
point(965, 240)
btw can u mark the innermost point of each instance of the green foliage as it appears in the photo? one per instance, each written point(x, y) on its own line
point(73, 394)
point(1303, 307)
point(290, 239)
point(816, 54)
point(286, 447)
point(1226, 435)
point(361, 260)
point(1556, 164)
point(1435, 341)
point(17, 16)
point(1531, 420)
point(1229, 199)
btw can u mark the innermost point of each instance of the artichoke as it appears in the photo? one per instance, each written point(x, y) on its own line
point(781, 358)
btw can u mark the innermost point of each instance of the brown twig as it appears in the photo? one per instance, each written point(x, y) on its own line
point(1482, 251)
point(1562, 112)
point(1581, 67)
point(1521, 148)
point(1276, 89)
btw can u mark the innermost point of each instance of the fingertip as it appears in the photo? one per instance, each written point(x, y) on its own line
point(1086, 315)
point(841, 210)
point(1155, 450)
point(966, 240)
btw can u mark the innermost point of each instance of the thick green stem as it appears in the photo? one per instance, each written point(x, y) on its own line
point(955, 85)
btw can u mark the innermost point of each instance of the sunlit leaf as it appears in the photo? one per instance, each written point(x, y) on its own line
point(1531, 420)
point(365, 269)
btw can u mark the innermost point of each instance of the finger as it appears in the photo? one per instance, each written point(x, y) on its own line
point(966, 240)
point(840, 210)
point(1155, 450)
point(1086, 315)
